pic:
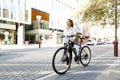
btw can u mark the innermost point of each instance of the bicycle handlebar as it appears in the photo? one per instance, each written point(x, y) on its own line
point(68, 36)
point(74, 36)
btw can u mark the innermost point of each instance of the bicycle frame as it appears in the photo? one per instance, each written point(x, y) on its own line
point(66, 58)
point(69, 46)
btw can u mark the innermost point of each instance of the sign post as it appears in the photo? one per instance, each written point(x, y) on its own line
point(116, 41)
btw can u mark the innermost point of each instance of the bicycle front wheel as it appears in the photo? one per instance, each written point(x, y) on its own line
point(85, 55)
point(59, 65)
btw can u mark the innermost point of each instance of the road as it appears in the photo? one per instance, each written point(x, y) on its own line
point(35, 64)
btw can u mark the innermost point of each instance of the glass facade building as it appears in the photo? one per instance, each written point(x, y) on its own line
point(16, 11)
point(18, 19)
point(12, 12)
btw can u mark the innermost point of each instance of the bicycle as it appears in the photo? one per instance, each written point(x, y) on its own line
point(84, 56)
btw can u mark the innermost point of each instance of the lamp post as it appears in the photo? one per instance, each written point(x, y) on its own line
point(115, 42)
point(38, 21)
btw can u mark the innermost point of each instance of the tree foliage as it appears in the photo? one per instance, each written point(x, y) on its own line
point(96, 10)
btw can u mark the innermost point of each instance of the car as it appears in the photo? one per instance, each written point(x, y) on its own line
point(90, 42)
point(100, 42)
point(108, 42)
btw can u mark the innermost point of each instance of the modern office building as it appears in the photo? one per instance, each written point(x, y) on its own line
point(40, 21)
point(30, 20)
point(13, 15)
point(52, 20)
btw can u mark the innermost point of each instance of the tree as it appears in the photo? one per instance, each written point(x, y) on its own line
point(96, 10)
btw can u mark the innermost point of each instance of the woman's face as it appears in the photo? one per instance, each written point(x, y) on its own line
point(68, 23)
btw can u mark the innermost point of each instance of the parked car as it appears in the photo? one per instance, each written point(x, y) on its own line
point(108, 42)
point(90, 42)
point(100, 42)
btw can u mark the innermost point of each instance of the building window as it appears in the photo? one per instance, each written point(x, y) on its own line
point(59, 39)
point(7, 22)
point(6, 8)
point(26, 15)
point(0, 7)
point(16, 11)
point(28, 27)
point(44, 24)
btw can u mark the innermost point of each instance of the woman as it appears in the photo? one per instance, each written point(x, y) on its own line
point(69, 31)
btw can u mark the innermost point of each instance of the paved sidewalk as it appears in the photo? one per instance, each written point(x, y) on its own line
point(31, 46)
point(104, 66)
point(25, 64)
point(35, 64)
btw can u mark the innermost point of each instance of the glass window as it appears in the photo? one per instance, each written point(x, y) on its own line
point(21, 10)
point(45, 24)
point(5, 9)
point(35, 24)
point(59, 39)
point(27, 11)
point(16, 11)
point(13, 10)
point(0, 7)
point(26, 15)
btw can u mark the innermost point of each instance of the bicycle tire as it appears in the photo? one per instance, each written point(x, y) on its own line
point(85, 54)
point(58, 65)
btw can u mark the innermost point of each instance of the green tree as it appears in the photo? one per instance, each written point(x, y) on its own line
point(96, 10)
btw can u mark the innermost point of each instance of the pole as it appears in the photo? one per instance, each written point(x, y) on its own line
point(39, 33)
point(38, 19)
point(116, 42)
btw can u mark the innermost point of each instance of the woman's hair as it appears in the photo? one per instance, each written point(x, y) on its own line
point(71, 21)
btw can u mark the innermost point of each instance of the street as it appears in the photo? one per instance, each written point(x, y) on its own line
point(35, 64)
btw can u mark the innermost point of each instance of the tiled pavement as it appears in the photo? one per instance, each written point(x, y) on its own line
point(26, 64)
point(35, 64)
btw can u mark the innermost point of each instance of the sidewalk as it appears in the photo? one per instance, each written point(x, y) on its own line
point(103, 66)
point(11, 47)
point(36, 65)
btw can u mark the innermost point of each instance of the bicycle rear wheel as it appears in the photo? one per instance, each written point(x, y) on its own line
point(59, 65)
point(85, 55)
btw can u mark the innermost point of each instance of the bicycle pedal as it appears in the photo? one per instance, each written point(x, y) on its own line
point(76, 58)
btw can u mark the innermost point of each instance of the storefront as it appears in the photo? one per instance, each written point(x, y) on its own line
point(14, 12)
point(7, 33)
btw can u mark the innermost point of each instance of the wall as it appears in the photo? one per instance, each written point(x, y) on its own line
point(43, 5)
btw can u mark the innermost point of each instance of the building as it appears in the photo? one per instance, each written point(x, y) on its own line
point(13, 15)
point(23, 20)
point(40, 21)
point(51, 22)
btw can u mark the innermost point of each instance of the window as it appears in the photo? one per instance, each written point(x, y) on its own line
point(5, 9)
point(15, 11)
point(0, 7)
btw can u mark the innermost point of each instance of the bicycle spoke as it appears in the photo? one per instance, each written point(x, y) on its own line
point(85, 56)
point(60, 65)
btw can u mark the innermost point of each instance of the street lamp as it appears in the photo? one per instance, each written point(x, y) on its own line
point(116, 42)
point(38, 17)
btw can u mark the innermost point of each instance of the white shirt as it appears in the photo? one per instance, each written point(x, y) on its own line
point(68, 32)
